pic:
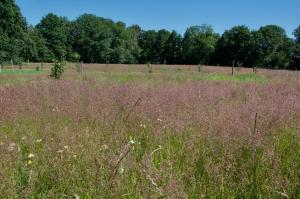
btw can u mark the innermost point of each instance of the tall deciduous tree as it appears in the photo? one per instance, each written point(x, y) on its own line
point(296, 60)
point(147, 43)
point(12, 31)
point(199, 44)
point(173, 48)
point(55, 32)
point(273, 47)
point(297, 41)
point(235, 45)
point(101, 40)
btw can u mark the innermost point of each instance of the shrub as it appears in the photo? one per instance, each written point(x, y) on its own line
point(149, 66)
point(199, 67)
point(57, 69)
point(239, 66)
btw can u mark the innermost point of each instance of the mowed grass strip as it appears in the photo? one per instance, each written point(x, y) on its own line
point(22, 72)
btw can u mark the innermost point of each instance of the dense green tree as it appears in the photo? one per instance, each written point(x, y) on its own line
point(235, 45)
point(123, 45)
point(55, 32)
point(11, 20)
point(297, 41)
point(297, 34)
point(28, 48)
point(147, 41)
point(296, 60)
point(173, 48)
point(134, 34)
point(160, 46)
point(36, 47)
point(199, 44)
point(274, 49)
point(91, 37)
point(4, 47)
point(12, 31)
point(98, 40)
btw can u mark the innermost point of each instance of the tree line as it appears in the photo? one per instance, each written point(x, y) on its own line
point(95, 39)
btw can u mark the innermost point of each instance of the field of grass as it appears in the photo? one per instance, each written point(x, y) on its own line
point(118, 131)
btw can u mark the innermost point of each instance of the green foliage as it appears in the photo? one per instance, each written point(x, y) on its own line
point(273, 48)
point(235, 44)
point(57, 69)
point(198, 44)
point(206, 165)
point(147, 41)
point(55, 32)
point(173, 48)
point(12, 22)
point(199, 67)
point(12, 31)
point(98, 40)
point(149, 66)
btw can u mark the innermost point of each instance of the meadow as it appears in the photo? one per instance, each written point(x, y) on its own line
point(130, 131)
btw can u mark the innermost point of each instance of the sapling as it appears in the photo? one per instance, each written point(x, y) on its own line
point(12, 65)
point(239, 66)
point(199, 67)
point(149, 66)
point(57, 69)
point(78, 67)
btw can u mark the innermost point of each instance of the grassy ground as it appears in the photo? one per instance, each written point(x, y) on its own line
point(21, 72)
point(122, 132)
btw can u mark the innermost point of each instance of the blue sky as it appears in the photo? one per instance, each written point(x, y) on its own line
point(174, 14)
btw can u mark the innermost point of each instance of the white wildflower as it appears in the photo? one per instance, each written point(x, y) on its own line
point(104, 147)
point(31, 155)
point(143, 126)
point(11, 147)
point(60, 151)
point(121, 170)
point(29, 162)
point(131, 141)
point(38, 140)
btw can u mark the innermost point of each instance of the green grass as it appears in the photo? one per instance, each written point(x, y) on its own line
point(22, 72)
point(80, 156)
point(172, 76)
point(159, 75)
point(68, 163)
point(237, 77)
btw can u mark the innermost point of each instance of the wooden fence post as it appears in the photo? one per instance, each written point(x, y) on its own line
point(81, 67)
point(0, 67)
point(12, 65)
point(232, 67)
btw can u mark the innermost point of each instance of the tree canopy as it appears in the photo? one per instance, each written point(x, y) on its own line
point(94, 39)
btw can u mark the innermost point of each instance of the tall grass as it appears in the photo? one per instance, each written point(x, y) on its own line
point(191, 139)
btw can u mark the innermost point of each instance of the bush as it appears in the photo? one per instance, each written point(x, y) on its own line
point(57, 69)
point(199, 67)
point(149, 66)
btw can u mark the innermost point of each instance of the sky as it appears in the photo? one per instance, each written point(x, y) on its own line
point(173, 14)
